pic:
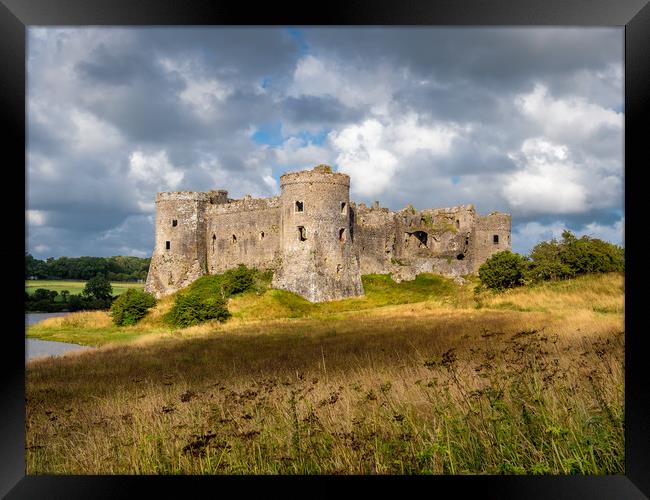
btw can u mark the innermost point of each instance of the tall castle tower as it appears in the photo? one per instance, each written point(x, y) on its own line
point(179, 255)
point(318, 261)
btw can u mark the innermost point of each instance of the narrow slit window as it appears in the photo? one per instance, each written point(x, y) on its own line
point(495, 239)
point(457, 224)
point(262, 235)
point(234, 238)
point(174, 223)
point(214, 238)
point(299, 206)
point(302, 234)
point(168, 245)
point(344, 208)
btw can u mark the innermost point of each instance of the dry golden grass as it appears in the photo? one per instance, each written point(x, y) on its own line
point(439, 387)
point(80, 319)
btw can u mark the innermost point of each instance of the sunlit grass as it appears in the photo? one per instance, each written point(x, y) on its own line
point(526, 382)
point(75, 287)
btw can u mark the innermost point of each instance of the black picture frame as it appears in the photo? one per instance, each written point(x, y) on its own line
point(16, 15)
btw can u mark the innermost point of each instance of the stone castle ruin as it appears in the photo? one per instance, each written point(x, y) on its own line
point(317, 242)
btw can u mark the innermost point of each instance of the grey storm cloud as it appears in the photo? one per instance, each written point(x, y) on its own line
point(320, 110)
point(524, 120)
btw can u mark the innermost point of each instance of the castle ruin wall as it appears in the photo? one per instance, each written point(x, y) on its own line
point(317, 242)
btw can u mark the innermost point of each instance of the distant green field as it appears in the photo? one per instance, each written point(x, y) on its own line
point(75, 287)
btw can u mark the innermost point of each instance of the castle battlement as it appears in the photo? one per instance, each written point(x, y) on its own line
point(314, 238)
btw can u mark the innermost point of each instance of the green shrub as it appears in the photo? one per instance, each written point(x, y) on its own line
point(42, 294)
point(206, 298)
point(190, 309)
point(547, 264)
point(573, 256)
point(238, 280)
point(503, 270)
point(131, 306)
point(591, 255)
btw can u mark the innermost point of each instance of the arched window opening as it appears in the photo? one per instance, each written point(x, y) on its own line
point(342, 235)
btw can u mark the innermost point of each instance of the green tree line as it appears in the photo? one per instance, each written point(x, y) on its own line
point(118, 268)
point(97, 294)
point(552, 260)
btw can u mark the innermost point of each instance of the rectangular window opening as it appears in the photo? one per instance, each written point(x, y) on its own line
point(299, 206)
point(495, 239)
point(174, 223)
point(302, 234)
point(168, 245)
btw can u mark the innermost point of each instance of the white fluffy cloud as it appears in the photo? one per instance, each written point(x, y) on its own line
point(36, 217)
point(575, 119)
point(431, 117)
point(548, 181)
point(373, 152)
point(295, 152)
point(151, 173)
point(354, 86)
point(551, 180)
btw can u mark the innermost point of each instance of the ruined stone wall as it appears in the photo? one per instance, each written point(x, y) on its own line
point(316, 241)
point(375, 232)
point(243, 232)
point(179, 255)
point(492, 235)
point(318, 261)
point(409, 242)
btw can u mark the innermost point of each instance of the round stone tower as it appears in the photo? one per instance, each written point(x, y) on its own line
point(318, 261)
point(179, 255)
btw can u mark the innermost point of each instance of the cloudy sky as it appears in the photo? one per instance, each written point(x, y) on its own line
point(523, 120)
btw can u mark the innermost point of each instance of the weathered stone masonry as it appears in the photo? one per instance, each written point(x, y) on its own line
point(317, 242)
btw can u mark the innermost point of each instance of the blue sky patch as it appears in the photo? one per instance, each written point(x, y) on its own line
point(299, 38)
point(269, 134)
point(314, 138)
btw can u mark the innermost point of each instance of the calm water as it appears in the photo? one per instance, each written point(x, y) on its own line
point(35, 348)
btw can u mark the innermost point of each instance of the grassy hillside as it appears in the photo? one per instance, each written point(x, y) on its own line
point(417, 377)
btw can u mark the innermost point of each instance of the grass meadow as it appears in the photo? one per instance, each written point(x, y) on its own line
point(75, 287)
point(422, 377)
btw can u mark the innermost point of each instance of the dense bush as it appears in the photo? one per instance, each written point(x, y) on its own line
point(574, 256)
point(131, 306)
point(207, 297)
point(503, 270)
point(547, 264)
point(190, 309)
point(552, 260)
point(42, 294)
point(238, 280)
